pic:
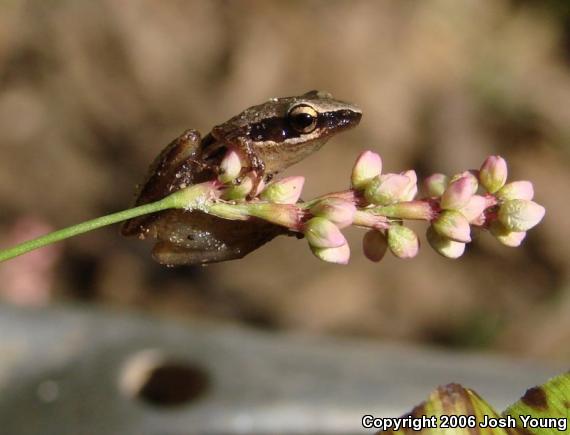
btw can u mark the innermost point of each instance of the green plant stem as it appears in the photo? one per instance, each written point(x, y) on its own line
point(191, 197)
point(84, 227)
point(415, 210)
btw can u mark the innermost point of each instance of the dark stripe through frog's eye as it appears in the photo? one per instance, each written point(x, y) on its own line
point(302, 118)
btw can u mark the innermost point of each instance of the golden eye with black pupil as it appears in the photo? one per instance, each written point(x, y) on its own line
point(302, 118)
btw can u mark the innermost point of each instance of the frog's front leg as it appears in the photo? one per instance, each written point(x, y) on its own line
point(217, 144)
point(254, 163)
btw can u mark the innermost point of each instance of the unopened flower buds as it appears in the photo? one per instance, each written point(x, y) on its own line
point(379, 203)
point(338, 211)
point(471, 176)
point(402, 241)
point(520, 214)
point(412, 188)
point(453, 225)
point(239, 191)
point(436, 184)
point(338, 255)
point(505, 236)
point(285, 191)
point(443, 245)
point(516, 190)
point(388, 189)
point(322, 233)
point(473, 210)
point(457, 194)
point(493, 173)
point(368, 166)
point(230, 167)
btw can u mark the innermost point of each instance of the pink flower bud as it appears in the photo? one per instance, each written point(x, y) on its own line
point(238, 191)
point(338, 255)
point(512, 239)
point(322, 233)
point(444, 246)
point(457, 194)
point(368, 165)
point(402, 241)
point(516, 190)
point(374, 245)
point(285, 191)
point(493, 173)
point(520, 215)
point(387, 189)
point(412, 189)
point(453, 225)
point(474, 209)
point(230, 167)
point(471, 176)
point(336, 210)
point(436, 184)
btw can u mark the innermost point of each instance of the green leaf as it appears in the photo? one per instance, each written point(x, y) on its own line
point(543, 410)
point(547, 407)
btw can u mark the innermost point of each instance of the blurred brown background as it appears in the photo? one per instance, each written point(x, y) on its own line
point(90, 91)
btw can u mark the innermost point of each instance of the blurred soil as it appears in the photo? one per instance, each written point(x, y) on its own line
point(90, 91)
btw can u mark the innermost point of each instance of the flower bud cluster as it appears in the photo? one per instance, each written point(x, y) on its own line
point(451, 230)
point(381, 202)
point(506, 209)
point(385, 190)
point(322, 231)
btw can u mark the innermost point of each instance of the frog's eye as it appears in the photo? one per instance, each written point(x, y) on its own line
point(302, 118)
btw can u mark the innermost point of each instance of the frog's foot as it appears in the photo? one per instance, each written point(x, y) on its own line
point(256, 167)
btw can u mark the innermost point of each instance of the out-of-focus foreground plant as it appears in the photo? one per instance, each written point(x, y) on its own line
point(380, 203)
point(455, 410)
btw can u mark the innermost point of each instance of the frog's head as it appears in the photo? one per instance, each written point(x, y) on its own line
point(283, 131)
point(314, 116)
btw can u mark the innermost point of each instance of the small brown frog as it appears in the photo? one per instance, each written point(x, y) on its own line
point(269, 137)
